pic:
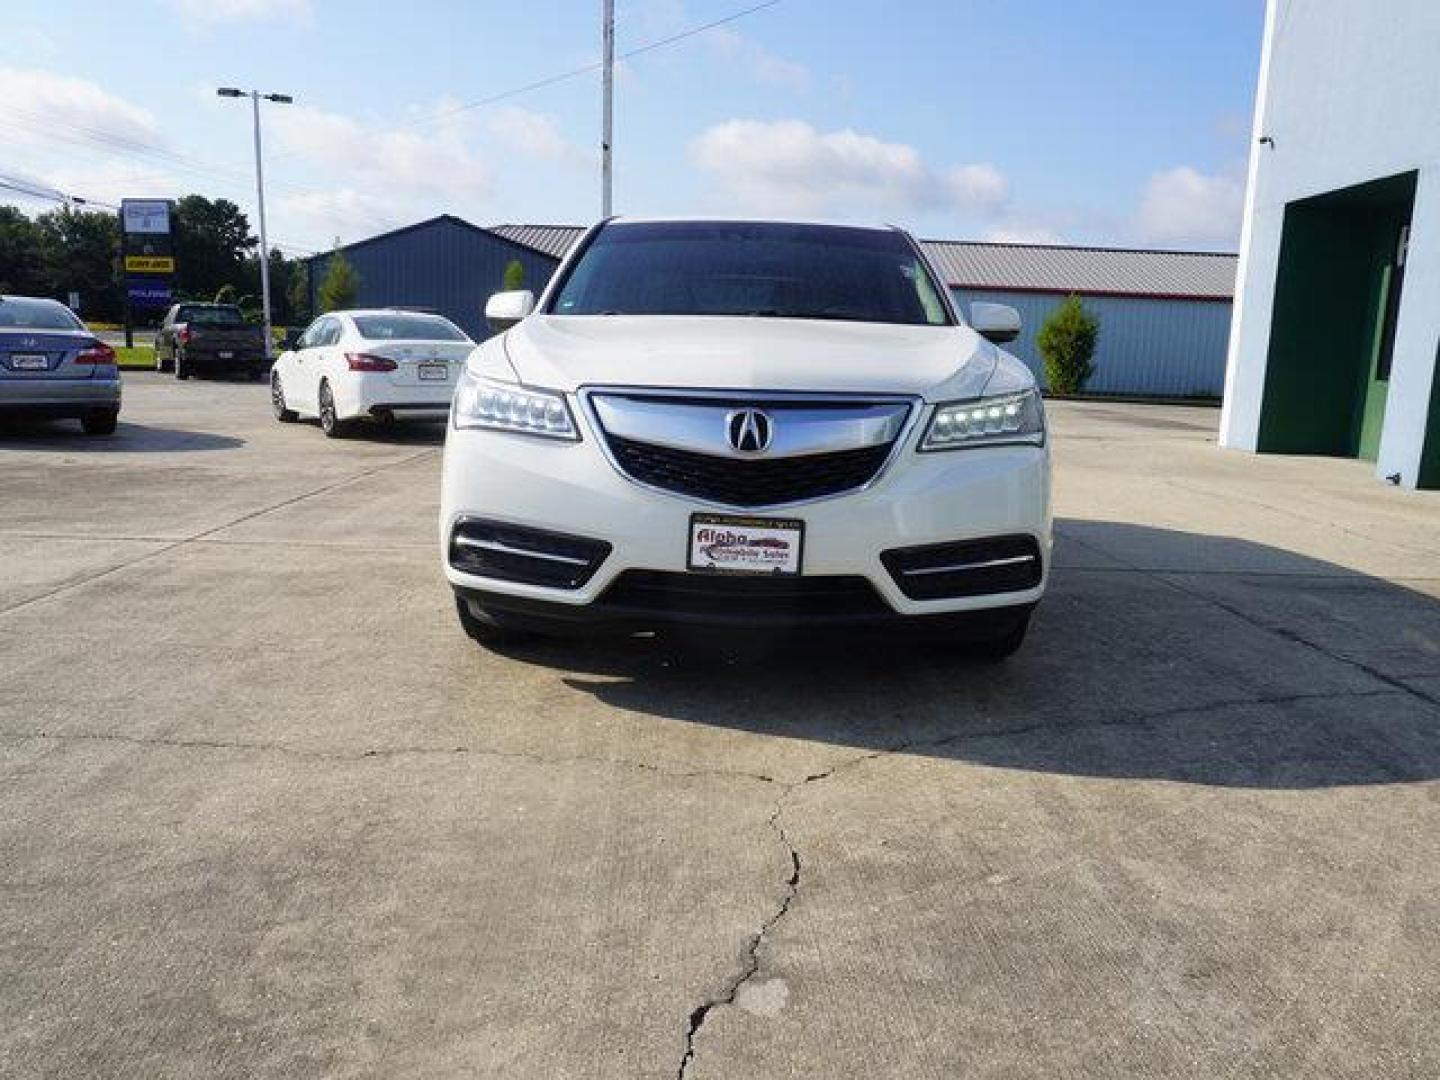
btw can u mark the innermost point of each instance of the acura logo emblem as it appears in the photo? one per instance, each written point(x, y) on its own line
point(749, 431)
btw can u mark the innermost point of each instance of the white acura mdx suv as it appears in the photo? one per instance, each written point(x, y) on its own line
point(746, 424)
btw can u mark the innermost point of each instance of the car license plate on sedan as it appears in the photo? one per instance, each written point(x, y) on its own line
point(29, 362)
point(226, 354)
point(437, 372)
point(723, 544)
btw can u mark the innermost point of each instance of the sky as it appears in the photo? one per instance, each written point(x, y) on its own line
point(1117, 122)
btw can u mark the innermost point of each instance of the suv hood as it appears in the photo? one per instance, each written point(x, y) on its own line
point(730, 353)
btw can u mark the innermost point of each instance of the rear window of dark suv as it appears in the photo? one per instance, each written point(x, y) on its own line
point(758, 269)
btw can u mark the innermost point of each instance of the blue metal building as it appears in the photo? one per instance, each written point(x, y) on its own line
point(445, 265)
point(1164, 315)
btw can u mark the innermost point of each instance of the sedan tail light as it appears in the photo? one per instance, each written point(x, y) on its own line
point(96, 353)
point(183, 335)
point(359, 361)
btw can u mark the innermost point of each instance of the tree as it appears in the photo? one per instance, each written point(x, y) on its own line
point(22, 255)
point(227, 294)
point(1067, 344)
point(297, 293)
point(341, 285)
point(514, 276)
point(212, 244)
point(81, 253)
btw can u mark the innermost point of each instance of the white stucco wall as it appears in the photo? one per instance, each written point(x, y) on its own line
point(1349, 92)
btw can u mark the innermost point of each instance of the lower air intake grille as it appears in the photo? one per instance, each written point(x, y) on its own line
point(743, 600)
point(744, 482)
point(995, 564)
point(531, 556)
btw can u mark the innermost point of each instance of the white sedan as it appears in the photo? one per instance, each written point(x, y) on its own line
point(376, 365)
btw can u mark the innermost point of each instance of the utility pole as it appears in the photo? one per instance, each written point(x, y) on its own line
point(608, 123)
point(279, 99)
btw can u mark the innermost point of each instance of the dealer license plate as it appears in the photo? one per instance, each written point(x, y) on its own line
point(437, 372)
point(720, 543)
point(29, 362)
point(226, 354)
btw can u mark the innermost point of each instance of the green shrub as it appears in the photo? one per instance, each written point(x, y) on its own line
point(1067, 344)
point(514, 276)
point(340, 287)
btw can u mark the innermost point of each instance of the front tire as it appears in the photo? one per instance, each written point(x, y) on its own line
point(100, 421)
point(160, 362)
point(486, 629)
point(1004, 643)
point(330, 424)
point(277, 401)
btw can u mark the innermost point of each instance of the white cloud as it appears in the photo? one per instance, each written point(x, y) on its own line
point(1020, 232)
point(1185, 207)
point(45, 103)
point(758, 62)
point(112, 179)
point(531, 134)
point(786, 166)
point(344, 215)
point(397, 161)
point(205, 12)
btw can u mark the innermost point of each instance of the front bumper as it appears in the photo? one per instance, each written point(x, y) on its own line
point(59, 397)
point(572, 488)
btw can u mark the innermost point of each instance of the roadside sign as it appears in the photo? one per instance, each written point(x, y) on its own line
point(149, 264)
point(147, 252)
point(145, 216)
point(148, 294)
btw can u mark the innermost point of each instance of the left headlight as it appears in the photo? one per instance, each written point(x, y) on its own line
point(484, 403)
point(988, 421)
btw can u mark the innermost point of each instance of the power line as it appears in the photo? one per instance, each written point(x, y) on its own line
point(574, 73)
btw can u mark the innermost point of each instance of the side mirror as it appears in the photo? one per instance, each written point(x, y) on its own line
point(995, 322)
point(505, 309)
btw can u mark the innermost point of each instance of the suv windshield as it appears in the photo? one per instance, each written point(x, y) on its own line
point(210, 316)
point(26, 314)
point(752, 268)
point(405, 327)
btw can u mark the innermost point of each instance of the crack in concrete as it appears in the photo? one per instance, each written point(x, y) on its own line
point(382, 753)
point(750, 965)
point(1295, 638)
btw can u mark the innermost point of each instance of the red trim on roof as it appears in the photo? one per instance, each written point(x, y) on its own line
point(1104, 294)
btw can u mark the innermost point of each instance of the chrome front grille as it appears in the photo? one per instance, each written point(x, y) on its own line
point(703, 447)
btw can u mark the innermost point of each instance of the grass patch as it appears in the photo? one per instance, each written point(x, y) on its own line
point(138, 356)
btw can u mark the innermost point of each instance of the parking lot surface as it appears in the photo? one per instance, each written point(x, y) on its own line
point(265, 812)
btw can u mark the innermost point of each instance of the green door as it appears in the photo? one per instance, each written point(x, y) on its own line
point(1377, 383)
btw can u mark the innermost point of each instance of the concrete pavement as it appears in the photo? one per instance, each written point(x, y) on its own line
point(266, 812)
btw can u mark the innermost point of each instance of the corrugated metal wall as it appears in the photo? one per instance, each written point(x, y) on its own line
point(442, 266)
point(1161, 348)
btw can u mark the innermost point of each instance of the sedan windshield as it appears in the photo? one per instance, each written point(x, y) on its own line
point(25, 314)
point(759, 269)
point(407, 327)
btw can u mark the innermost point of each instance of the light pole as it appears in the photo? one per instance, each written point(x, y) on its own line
point(279, 99)
point(607, 34)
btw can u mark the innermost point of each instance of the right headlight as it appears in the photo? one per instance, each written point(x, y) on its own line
point(987, 421)
point(486, 403)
